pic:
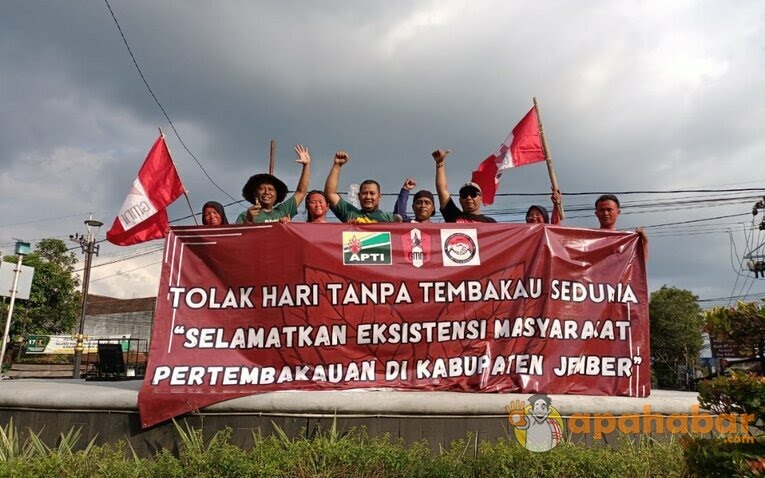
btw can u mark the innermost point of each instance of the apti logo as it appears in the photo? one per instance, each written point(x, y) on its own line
point(366, 248)
point(416, 246)
point(459, 247)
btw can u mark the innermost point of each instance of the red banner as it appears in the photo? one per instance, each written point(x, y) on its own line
point(485, 308)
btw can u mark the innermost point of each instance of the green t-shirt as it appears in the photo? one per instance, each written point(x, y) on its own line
point(286, 209)
point(345, 211)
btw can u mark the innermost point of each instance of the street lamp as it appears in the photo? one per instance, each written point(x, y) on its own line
point(89, 248)
point(22, 249)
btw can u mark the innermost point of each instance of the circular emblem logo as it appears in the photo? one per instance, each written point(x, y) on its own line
point(460, 248)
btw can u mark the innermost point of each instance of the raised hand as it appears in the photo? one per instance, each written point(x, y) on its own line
point(556, 197)
point(303, 156)
point(516, 413)
point(440, 155)
point(409, 184)
point(253, 211)
point(341, 157)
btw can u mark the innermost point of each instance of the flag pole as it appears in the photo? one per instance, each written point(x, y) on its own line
point(271, 157)
point(548, 157)
point(185, 193)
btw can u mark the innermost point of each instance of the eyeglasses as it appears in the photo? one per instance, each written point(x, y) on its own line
point(469, 193)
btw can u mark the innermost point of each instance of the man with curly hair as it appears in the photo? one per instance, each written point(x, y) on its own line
point(266, 193)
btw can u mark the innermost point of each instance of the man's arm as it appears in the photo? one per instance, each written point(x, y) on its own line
point(403, 198)
point(304, 158)
point(557, 204)
point(644, 240)
point(330, 187)
point(442, 187)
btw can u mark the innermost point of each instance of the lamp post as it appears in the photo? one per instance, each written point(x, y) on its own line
point(89, 248)
point(22, 249)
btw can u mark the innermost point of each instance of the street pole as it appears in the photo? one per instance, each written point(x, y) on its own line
point(89, 248)
point(22, 248)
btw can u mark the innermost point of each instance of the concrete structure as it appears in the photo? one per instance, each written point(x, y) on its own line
point(109, 411)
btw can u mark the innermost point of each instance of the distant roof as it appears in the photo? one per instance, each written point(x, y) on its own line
point(101, 305)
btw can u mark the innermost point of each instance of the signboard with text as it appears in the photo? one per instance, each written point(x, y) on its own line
point(64, 344)
point(460, 307)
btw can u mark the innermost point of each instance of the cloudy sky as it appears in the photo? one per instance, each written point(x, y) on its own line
point(658, 97)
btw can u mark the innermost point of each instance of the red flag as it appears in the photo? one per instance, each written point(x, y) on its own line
point(523, 146)
point(143, 215)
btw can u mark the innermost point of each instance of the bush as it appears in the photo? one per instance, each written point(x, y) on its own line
point(739, 455)
point(334, 454)
point(737, 393)
point(714, 457)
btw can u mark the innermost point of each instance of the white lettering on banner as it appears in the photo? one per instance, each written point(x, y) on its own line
point(574, 291)
point(263, 338)
point(298, 295)
point(414, 332)
point(565, 329)
point(199, 298)
point(363, 294)
point(374, 293)
point(197, 375)
point(475, 291)
point(136, 208)
point(596, 365)
point(469, 365)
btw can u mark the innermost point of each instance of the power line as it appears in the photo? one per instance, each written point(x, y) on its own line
point(156, 100)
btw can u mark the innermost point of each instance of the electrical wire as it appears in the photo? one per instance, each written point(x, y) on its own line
point(156, 100)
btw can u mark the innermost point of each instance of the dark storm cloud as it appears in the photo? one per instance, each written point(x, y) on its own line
point(635, 95)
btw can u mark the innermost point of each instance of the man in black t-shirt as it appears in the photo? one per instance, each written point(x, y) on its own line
point(470, 196)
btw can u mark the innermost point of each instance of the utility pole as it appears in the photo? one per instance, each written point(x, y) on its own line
point(22, 249)
point(89, 248)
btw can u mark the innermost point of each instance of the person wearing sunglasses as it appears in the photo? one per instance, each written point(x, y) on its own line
point(470, 196)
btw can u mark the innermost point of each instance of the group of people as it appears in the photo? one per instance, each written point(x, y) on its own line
point(268, 196)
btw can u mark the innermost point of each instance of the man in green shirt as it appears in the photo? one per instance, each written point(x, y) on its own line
point(369, 198)
point(266, 193)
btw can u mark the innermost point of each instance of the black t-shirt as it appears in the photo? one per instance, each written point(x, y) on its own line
point(452, 213)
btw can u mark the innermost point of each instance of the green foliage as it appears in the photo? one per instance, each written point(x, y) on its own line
point(713, 457)
point(744, 324)
point(332, 453)
point(641, 458)
point(676, 322)
point(737, 393)
point(54, 300)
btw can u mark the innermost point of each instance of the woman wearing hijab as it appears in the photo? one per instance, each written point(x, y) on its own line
point(538, 214)
point(213, 214)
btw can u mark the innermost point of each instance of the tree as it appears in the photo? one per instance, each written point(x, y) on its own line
point(54, 299)
point(744, 324)
point(676, 322)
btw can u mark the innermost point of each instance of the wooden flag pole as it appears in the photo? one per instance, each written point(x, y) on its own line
point(185, 193)
point(271, 157)
point(548, 158)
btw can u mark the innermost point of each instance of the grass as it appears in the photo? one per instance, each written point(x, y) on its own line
point(329, 453)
